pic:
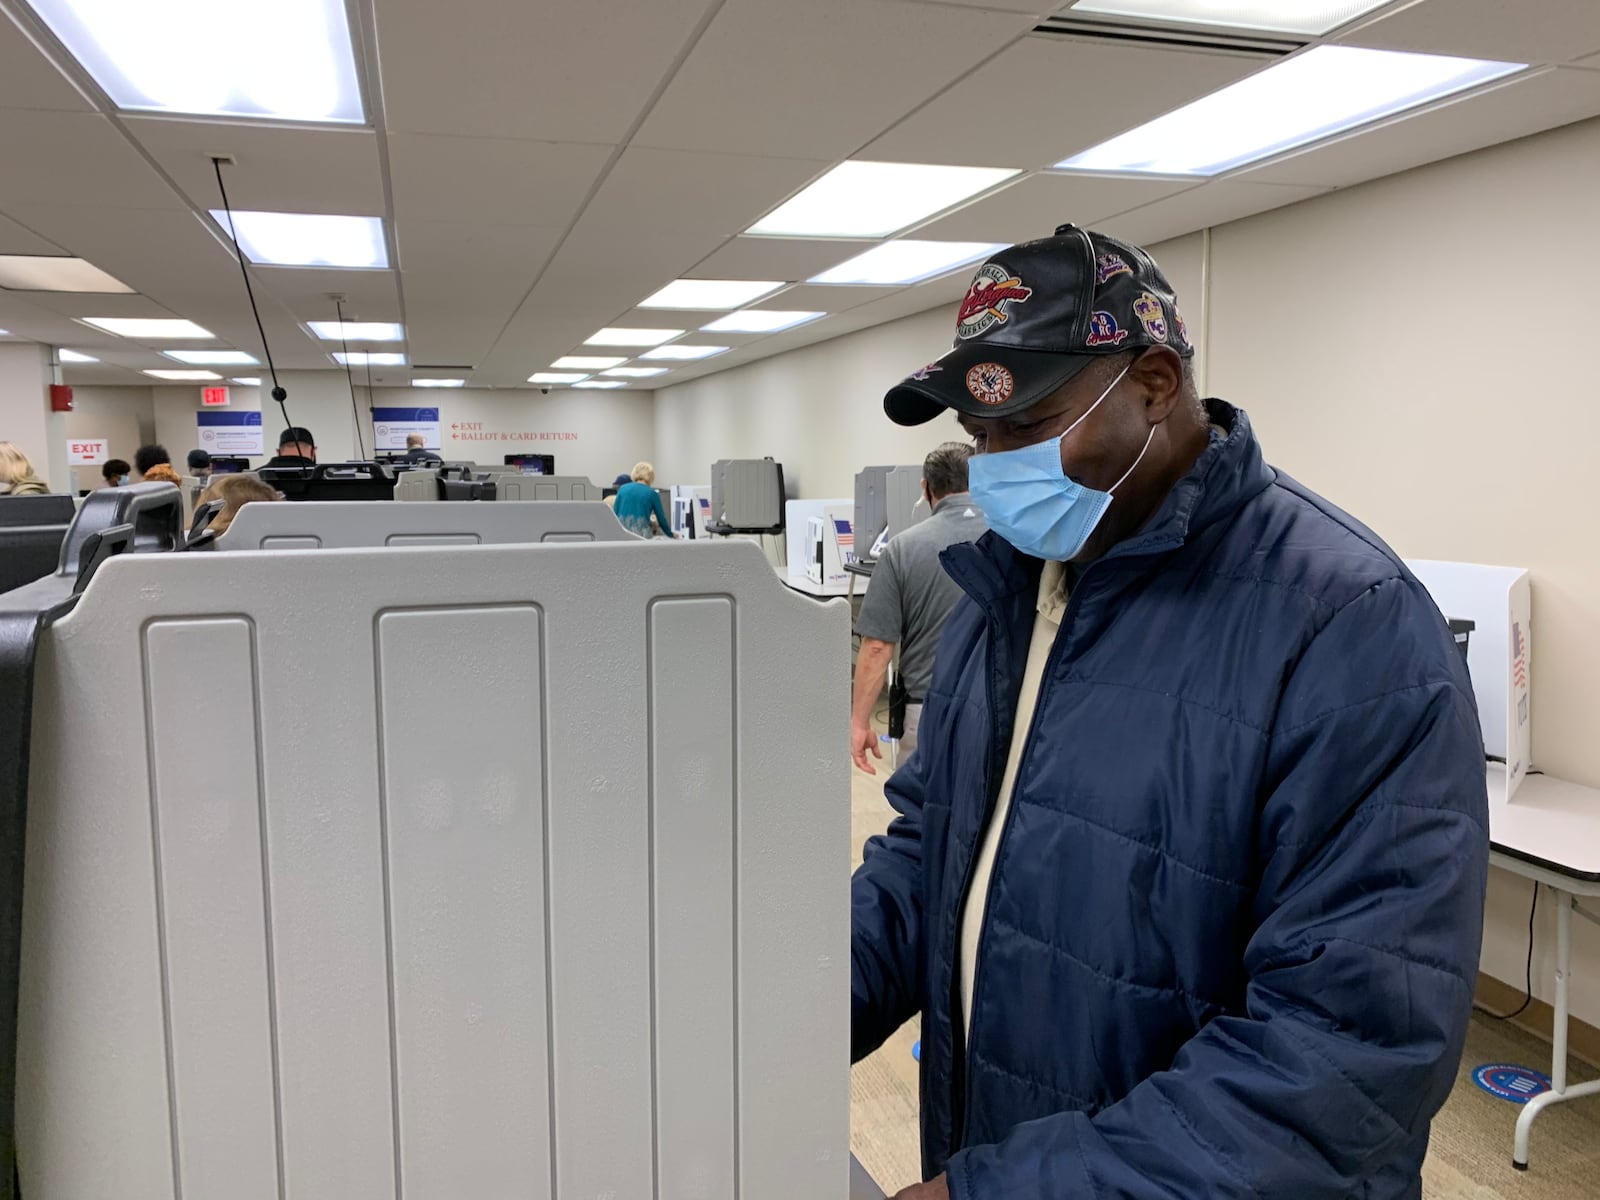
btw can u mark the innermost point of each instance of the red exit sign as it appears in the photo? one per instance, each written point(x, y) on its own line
point(214, 397)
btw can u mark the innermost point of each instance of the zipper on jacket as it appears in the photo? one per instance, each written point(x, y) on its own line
point(961, 1098)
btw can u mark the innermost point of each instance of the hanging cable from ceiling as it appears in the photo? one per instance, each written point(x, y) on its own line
point(355, 409)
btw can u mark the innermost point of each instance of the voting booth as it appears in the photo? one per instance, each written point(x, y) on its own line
point(1497, 604)
point(299, 921)
point(514, 485)
point(331, 526)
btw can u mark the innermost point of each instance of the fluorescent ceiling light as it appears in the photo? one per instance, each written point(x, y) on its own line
point(632, 337)
point(289, 60)
point(716, 295)
point(606, 384)
point(448, 383)
point(373, 358)
point(307, 240)
point(760, 320)
point(55, 273)
point(556, 377)
point(357, 331)
point(248, 381)
point(149, 328)
point(1311, 17)
point(907, 261)
point(184, 374)
point(873, 199)
point(5, 333)
point(635, 372)
point(213, 358)
point(1312, 96)
point(680, 351)
point(587, 362)
point(74, 356)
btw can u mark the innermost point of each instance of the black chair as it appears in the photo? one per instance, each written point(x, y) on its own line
point(332, 481)
point(32, 529)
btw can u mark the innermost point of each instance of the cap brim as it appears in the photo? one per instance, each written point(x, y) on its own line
point(981, 380)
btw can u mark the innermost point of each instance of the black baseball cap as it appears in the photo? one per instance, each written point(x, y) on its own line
point(1037, 314)
point(199, 460)
point(296, 433)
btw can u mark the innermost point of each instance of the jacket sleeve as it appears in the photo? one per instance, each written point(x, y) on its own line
point(1373, 847)
point(886, 920)
point(660, 513)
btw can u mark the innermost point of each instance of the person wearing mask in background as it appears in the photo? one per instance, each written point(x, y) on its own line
point(638, 504)
point(235, 491)
point(909, 599)
point(296, 448)
point(154, 464)
point(200, 466)
point(16, 474)
point(1188, 877)
point(416, 450)
point(114, 472)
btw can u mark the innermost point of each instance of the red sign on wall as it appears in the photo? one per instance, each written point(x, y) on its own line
point(216, 397)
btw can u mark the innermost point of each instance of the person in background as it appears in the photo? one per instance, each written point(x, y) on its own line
point(416, 450)
point(114, 472)
point(16, 474)
point(1187, 879)
point(617, 484)
point(235, 491)
point(200, 466)
point(154, 464)
point(908, 600)
point(638, 504)
point(296, 448)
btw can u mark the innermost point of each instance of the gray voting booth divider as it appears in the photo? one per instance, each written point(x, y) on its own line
point(334, 525)
point(297, 923)
point(511, 485)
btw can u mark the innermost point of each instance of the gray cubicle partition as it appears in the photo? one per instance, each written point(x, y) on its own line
point(417, 484)
point(903, 492)
point(513, 485)
point(302, 920)
point(328, 525)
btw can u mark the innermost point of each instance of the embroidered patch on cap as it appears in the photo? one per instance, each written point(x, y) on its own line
point(1183, 330)
point(992, 293)
point(1104, 331)
point(1108, 266)
point(990, 383)
point(1151, 315)
point(922, 373)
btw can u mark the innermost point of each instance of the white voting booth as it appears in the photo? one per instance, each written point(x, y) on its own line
point(1498, 601)
point(821, 540)
point(317, 525)
point(306, 916)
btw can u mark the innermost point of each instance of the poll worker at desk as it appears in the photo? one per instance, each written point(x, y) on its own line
point(417, 451)
point(296, 448)
point(1187, 879)
point(910, 597)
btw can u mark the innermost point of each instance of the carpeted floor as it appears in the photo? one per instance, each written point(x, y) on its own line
point(1470, 1157)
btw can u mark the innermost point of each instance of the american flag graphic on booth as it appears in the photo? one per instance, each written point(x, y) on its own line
point(845, 533)
point(1519, 656)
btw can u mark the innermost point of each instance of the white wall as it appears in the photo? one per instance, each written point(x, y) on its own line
point(1405, 347)
point(25, 417)
point(819, 410)
point(592, 433)
point(124, 416)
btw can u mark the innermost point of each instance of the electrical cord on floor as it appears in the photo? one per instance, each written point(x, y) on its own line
point(1528, 977)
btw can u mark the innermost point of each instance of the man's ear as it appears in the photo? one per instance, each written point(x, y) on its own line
point(1159, 372)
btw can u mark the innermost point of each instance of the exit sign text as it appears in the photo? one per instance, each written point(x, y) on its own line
point(214, 397)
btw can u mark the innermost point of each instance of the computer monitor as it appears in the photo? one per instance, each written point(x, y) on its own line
point(228, 466)
point(532, 464)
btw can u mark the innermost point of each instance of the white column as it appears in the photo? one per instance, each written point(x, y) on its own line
point(25, 416)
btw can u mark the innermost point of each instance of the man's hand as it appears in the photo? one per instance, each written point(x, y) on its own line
point(864, 737)
point(935, 1189)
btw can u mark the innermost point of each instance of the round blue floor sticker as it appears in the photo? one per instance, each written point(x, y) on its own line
point(1513, 1083)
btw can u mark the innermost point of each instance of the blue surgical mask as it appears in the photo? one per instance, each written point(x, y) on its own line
point(121, 480)
point(1027, 498)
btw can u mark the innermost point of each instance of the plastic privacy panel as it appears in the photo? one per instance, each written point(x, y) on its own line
point(348, 525)
point(511, 485)
point(302, 921)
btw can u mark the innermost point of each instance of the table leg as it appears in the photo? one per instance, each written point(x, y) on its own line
point(1558, 1063)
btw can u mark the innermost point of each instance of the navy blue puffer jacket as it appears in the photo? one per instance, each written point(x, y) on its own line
point(1233, 925)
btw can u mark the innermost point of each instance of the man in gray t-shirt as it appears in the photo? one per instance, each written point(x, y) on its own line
point(909, 598)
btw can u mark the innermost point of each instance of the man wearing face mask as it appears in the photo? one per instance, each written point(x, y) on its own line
point(1187, 881)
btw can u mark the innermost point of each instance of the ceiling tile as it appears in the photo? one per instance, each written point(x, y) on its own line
point(18, 239)
point(463, 282)
point(1048, 97)
point(820, 78)
point(51, 155)
point(775, 258)
point(30, 80)
point(1546, 31)
point(278, 169)
point(824, 298)
point(559, 70)
point(1212, 203)
point(1526, 104)
point(512, 181)
point(1034, 207)
point(1037, 8)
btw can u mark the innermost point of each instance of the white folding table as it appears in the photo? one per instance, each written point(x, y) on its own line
point(1549, 832)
